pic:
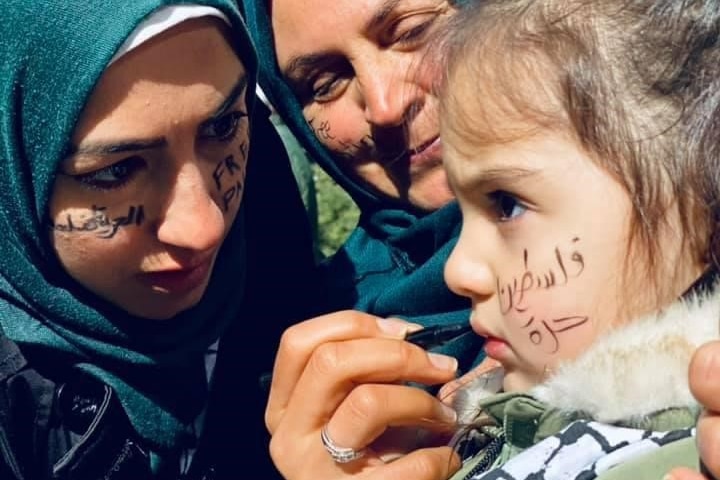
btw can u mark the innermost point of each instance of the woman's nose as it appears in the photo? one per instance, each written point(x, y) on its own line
point(467, 273)
point(389, 95)
point(191, 218)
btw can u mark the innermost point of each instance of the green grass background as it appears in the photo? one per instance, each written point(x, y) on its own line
point(332, 213)
point(337, 214)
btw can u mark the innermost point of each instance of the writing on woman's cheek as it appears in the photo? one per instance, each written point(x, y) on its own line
point(231, 171)
point(541, 332)
point(323, 131)
point(99, 222)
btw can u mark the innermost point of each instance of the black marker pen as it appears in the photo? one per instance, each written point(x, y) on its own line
point(437, 335)
point(428, 337)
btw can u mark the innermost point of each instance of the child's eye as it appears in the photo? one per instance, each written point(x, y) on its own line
point(506, 205)
point(222, 128)
point(113, 176)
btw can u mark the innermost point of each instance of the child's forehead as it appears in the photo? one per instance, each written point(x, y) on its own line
point(500, 98)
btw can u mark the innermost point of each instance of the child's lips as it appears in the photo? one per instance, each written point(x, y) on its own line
point(495, 348)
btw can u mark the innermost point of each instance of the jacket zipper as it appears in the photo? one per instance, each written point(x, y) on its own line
point(491, 453)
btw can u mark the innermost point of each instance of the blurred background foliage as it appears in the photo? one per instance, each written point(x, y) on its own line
point(337, 214)
point(333, 215)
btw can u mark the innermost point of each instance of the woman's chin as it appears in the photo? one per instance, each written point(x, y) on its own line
point(163, 310)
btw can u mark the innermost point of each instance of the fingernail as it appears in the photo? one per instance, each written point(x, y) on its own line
point(443, 362)
point(393, 327)
point(448, 414)
point(668, 477)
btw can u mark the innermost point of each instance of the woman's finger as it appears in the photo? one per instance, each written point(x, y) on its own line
point(708, 438)
point(335, 369)
point(448, 391)
point(370, 409)
point(437, 463)
point(705, 375)
point(704, 378)
point(299, 341)
point(426, 464)
point(682, 473)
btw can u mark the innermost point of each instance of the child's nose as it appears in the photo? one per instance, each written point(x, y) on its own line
point(467, 272)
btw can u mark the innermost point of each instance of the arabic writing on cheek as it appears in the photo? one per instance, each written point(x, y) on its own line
point(553, 328)
point(321, 129)
point(513, 294)
point(323, 132)
point(100, 223)
point(236, 171)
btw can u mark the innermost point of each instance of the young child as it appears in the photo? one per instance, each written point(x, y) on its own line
point(572, 138)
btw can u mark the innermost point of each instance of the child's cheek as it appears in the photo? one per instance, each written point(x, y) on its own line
point(550, 326)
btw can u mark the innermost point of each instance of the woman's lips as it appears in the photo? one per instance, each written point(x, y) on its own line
point(430, 152)
point(178, 281)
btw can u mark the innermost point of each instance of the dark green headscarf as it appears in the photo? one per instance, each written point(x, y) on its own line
point(52, 54)
point(392, 265)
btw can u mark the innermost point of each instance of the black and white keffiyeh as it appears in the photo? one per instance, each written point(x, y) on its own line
point(582, 451)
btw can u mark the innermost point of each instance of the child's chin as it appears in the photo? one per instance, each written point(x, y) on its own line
point(516, 381)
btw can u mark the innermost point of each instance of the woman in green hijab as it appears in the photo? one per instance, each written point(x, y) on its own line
point(358, 103)
point(124, 135)
point(353, 81)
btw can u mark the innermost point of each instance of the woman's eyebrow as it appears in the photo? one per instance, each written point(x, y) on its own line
point(298, 66)
point(118, 147)
point(381, 14)
point(109, 148)
point(232, 97)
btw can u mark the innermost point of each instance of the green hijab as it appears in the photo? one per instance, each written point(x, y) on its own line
point(392, 264)
point(52, 54)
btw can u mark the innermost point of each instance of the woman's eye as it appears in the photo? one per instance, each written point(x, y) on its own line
point(414, 33)
point(326, 88)
point(222, 128)
point(113, 176)
point(412, 29)
point(506, 205)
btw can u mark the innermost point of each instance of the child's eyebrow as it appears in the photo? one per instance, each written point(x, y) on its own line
point(507, 174)
point(497, 175)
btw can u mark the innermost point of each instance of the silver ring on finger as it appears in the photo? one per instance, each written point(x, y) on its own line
point(339, 454)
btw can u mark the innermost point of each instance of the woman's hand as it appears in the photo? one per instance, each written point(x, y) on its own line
point(705, 385)
point(346, 371)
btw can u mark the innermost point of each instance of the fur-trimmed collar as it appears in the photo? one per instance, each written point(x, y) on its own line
point(636, 370)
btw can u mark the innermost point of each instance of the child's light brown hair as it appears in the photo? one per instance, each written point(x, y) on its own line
point(634, 82)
